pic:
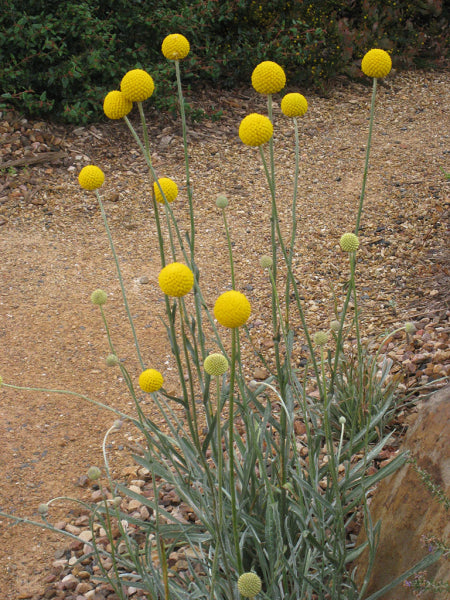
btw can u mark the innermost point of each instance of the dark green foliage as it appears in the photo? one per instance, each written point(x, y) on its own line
point(61, 58)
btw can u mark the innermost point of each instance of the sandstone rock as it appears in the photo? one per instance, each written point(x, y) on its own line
point(407, 510)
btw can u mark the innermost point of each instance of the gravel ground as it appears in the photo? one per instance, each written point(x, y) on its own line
point(55, 252)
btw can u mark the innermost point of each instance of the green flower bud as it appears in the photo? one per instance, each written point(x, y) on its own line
point(99, 297)
point(266, 262)
point(221, 201)
point(335, 326)
point(94, 473)
point(112, 360)
point(215, 364)
point(342, 420)
point(320, 338)
point(349, 242)
point(410, 328)
point(249, 585)
point(43, 509)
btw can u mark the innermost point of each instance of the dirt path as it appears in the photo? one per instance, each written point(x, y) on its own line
point(54, 253)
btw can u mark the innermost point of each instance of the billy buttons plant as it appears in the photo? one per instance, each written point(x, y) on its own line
point(267, 522)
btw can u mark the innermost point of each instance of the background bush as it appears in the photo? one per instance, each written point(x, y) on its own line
point(57, 59)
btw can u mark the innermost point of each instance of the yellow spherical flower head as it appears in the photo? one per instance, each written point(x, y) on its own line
point(376, 63)
point(116, 105)
point(150, 380)
point(268, 78)
point(91, 177)
point(249, 585)
point(176, 280)
point(349, 242)
point(169, 188)
point(137, 85)
point(232, 309)
point(294, 105)
point(175, 46)
point(255, 130)
point(215, 364)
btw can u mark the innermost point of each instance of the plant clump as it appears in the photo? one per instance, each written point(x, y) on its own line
point(259, 516)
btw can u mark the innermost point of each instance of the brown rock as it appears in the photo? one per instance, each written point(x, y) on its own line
point(406, 508)
point(260, 373)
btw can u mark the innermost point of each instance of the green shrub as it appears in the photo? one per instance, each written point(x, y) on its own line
point(58, 59)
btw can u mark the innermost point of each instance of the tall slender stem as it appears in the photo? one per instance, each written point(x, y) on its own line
point(366, 163)
point(186, 158)
point(119, 275)
point(231, 452)
point(144, 128)
point(230, 248)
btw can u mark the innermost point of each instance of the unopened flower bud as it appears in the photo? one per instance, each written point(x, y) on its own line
point(320, 338)
point(112, 360)
point(266, 262)
point(342, 420)
point(99, 297)
point(349, 242)
point(43, 509)
point(221, 201)
point(410, 328)
point(335, 326)
point(215, 364)
point(94, 473)
point(249, 584)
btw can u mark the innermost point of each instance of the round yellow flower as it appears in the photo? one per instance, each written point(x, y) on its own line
point(376, 63)
point(349, 242)
point(175, 46)
point(176, 280)
point(169, 188)
point(116, 105)
point(137, 85)
point(232, 309)
point(268, 78)
point(215, 364)
point(294, 105)
point(255, 130)
point(91, 177)
point(150, 380)
point(249, 585)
